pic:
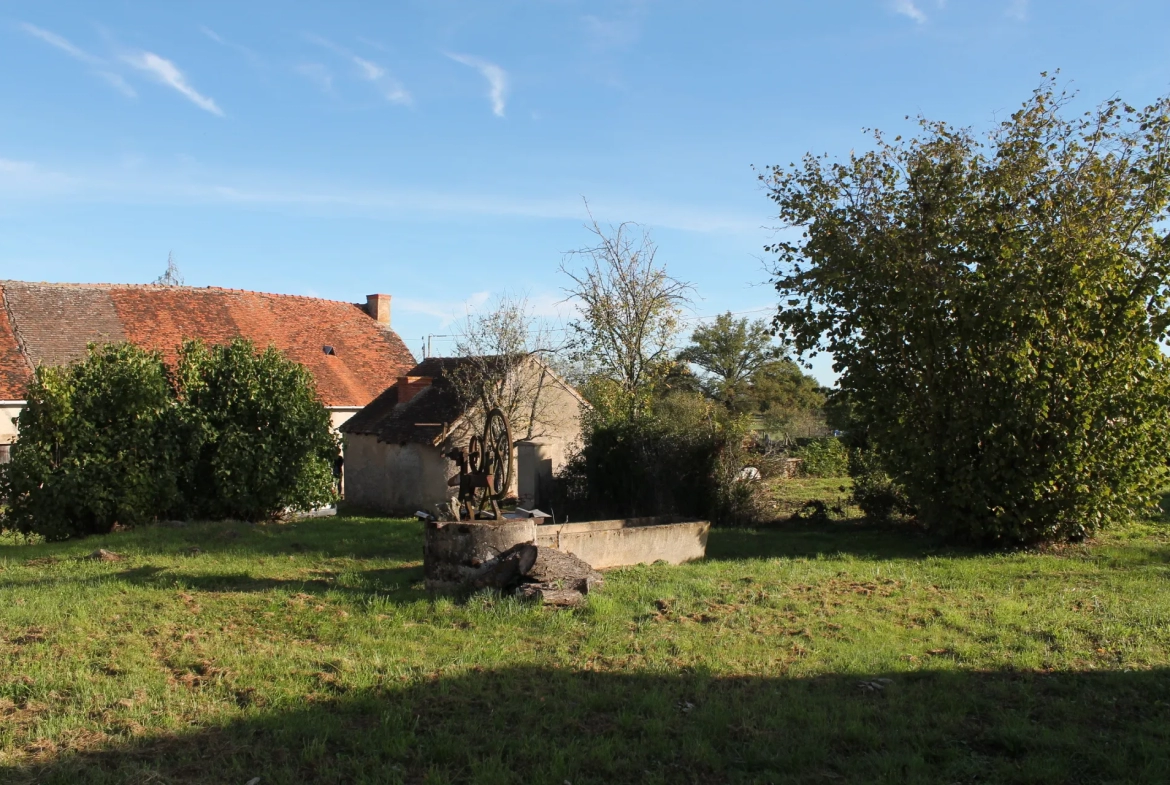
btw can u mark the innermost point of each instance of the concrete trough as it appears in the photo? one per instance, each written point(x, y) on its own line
point(625, 541)
point(457, 554)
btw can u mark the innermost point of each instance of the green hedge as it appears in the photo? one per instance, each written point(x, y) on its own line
point(121, 439)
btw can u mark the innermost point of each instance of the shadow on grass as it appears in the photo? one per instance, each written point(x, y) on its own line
point(393, 584)
point(797, 539)
point(536, 725)
point(382, 582)
point(318, 537)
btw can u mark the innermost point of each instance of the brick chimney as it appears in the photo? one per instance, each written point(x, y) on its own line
point(378, 307)
point(410, 386)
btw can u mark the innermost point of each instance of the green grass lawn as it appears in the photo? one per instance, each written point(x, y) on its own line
point(828, 653)
point(792, 494)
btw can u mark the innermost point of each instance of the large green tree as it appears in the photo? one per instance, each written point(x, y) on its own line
point(729, 352)
point(744, 369)
point(995, 308)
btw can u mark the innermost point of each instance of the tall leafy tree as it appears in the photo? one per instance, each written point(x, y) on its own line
point(730, 352)
point(995, 308)
point(783, 394)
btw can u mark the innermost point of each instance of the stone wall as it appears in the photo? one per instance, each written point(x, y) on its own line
point(395, 479)
point(7, 426)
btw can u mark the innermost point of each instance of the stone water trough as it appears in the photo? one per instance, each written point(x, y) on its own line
point(555, 563)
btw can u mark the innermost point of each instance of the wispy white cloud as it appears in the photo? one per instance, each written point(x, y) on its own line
point(25, 177)
point(1018, 10)
point(147, 183)
point(446, 311)
point(318, 74)
point(390, 88)
point(497, 79)
point(214, 36)
point(60, 42)
point(118, 83)
point(101, 67)
point(371, 71)
point(219, 39)
point(908, 8)
point(169, 74)
point(612, 33)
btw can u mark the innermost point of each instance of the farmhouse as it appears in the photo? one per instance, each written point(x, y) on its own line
point(349, 348)
point(395, 448)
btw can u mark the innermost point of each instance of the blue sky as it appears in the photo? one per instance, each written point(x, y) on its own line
point(439, 151)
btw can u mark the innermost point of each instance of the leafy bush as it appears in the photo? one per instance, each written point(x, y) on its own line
point(96, 447)
point(996, 308)
point(875, 492)
point(255, 438)
point(116, 439)
point(823, 458)
point(682, 460)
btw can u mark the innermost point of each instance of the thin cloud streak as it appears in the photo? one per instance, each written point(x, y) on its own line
point(77, 53)
point(169, 74)
point(214, 36)
point(118, 83)
point(256, 59)
point(496, 77)
point(908, 8)
point(60, 42)
point(1018, 10)
point(392, 90)
point(122, 186)
point(446, 311)
point(24, 179)
point(317, 74)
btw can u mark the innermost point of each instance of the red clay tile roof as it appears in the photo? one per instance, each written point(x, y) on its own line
point(438, 403)
point(51, 324)
point(15, 370)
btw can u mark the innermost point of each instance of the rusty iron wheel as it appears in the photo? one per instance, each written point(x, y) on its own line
point(498, 458)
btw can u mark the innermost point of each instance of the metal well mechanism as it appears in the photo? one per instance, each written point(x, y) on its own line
point(486, 467)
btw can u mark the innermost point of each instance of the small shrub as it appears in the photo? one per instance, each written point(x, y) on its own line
point(96, 447)
point(878, 496)
point(823, 458)
point(682, 460)
point(742, 498)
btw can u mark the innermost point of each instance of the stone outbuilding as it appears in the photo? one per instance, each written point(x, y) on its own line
point(395, 460)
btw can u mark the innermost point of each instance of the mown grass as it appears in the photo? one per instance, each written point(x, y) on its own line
point(834, 652)
point(792, 495)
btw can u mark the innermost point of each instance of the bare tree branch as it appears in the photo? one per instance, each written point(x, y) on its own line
point(504, 347)
point(630, 310)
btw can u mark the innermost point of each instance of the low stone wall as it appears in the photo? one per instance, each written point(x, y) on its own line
point(626, 541)
point(458, 555)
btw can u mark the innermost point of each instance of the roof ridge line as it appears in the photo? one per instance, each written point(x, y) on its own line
point(168, 287)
